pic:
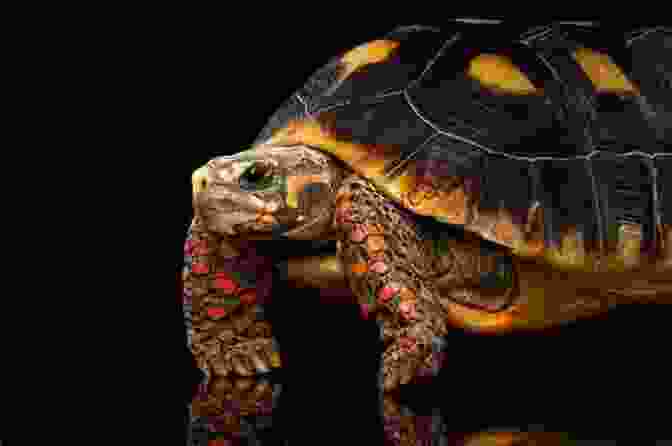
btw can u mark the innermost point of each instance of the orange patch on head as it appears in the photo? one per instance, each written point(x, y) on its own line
point(265, 219)
point(369, 53)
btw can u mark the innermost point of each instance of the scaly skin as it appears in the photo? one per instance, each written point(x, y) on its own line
point(232, 343)
point(388, 280)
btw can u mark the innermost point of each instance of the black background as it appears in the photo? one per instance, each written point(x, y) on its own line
point(214, 81)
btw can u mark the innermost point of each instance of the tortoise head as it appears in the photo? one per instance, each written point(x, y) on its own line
point(268, 191)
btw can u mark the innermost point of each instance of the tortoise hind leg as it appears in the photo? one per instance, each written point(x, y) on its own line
point(385, 263)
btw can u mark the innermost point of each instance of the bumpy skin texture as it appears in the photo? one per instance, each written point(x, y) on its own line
point(227, 334)
point(385, 267)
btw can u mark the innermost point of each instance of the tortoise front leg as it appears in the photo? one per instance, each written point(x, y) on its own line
point(383, 262)
point(229, 336)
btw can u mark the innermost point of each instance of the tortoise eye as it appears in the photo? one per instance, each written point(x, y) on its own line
point(257, 176)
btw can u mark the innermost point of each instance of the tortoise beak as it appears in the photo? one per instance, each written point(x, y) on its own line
point(199, 180)
point(220, 205)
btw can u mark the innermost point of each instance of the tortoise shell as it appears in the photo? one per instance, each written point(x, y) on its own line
point(573, 122)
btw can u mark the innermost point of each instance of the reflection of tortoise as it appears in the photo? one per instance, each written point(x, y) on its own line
point(458, 176)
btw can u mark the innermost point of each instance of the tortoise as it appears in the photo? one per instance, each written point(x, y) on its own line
point(459, 171)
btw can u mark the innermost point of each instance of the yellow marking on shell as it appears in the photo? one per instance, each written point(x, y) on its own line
point(570, 253)
point(359, 157)
point(296, 183)
point(496, 71)
point(369, 53)
point(625, 256)
point(603, 72)
point(397, 185)
point(451, 206)
point(629, 244)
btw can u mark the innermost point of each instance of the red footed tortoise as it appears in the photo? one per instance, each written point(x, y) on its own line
point(475, 177)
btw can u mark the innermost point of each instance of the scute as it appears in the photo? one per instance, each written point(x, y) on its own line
point(505, 182)
point(626, 191)
point(292, 109)
point(651, 53)
point(565, 191)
